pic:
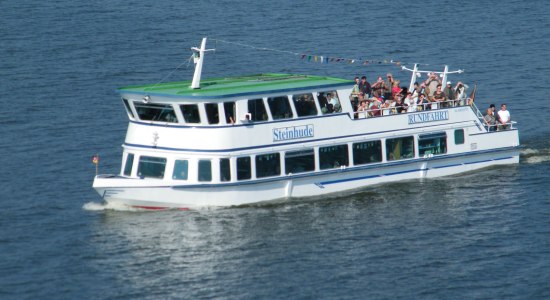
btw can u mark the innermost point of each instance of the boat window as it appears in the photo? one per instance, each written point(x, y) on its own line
point(129, 164)
point(225, 169)
point(299, 161)
point(229, 108)
point(400, 148)
point(268, 165)
point(212, 113)
point(205, 170)
point(257, 110)
point(435, 143)
point(280, 107)
point(151, 167)
point(329, 102)
point(243, 168)
point(305, 105)
point(190, 113)
point(333, 156)
point(128, 109)
point(367, 152)
point(155, 112)
point(181, 168)
point(459, 136)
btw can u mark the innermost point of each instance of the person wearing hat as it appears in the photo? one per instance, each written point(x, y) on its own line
point(450, 93)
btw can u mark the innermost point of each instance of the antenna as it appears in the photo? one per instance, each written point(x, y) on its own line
point(198, 56)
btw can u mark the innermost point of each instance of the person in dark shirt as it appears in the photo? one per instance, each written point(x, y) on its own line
point(365, 88)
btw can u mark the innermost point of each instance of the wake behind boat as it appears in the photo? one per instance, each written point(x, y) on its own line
point(242, 140)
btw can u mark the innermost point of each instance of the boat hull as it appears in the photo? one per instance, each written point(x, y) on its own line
point(134, 192)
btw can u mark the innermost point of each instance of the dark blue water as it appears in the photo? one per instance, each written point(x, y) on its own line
point(479, 235)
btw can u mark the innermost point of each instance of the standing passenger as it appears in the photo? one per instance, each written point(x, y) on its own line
point(503, 118)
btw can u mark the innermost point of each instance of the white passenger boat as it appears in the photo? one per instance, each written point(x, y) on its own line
point(242, 140)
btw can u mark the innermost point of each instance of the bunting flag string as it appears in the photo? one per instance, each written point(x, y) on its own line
point(315, 58)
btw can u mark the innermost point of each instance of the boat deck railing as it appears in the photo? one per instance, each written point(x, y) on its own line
point(431, 106)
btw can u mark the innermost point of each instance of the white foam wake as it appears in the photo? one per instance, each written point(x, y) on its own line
point(535, 156)
point(95, 206)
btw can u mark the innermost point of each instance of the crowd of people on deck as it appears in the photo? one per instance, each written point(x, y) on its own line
point(386, 97)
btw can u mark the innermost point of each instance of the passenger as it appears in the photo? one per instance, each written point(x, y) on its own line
point(424, 102)
point(490, 120)
point(503, 118)
point(388, 86)
point(460, 91)
point(362, 109)
point(396, 89)
point(323, 101)
point(493, 108)
point(431, 83)
point(439, 98)
point(386, 108)
point(416, 90)
point(450, 93)
point(375, 108)
point(410, 103)
point(379, 87)
point(355, 92)
point(399, 105)
point(365, 88)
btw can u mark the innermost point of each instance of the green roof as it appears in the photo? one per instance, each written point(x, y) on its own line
point(236, 86)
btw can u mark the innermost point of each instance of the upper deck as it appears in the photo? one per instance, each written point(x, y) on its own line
point(217, 88)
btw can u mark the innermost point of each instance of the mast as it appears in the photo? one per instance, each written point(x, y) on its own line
point(418, 73)
point(198, 56)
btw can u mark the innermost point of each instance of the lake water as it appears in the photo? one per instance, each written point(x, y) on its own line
point(484, 234)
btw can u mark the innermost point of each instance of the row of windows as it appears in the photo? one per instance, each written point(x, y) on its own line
point(280, 108)
point(295, 162)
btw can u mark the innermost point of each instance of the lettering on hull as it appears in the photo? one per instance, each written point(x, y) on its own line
point(428, 117)
point(292, 133)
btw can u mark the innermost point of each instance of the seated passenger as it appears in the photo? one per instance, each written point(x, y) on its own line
point(490, 120)
point(323, 101)
point(386, 108)
point(399, 105)
point(375, 108)
point(362, 109)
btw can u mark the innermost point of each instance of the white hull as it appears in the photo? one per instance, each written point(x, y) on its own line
point(321, 183)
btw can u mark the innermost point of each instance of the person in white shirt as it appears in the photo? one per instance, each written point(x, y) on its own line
point(503, 118)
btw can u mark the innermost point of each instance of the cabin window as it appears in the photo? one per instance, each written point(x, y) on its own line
point(367, 152)
point(205, 170)
point(305, 105)
point(129, 164)
point(243, 168)
point(181, 170)
point(333, 156)
point(230, 113)
point(128, 109)
point(190, 113)
point(280, 107)
point(329, 102)
point(152, 167)
point(225, 170)
point(400, 148)
point(256, 108)
point(212, 113)
point(268, 165)
point(459, 136)
point(299, 161)
point(435, 143)
point(155, 112)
